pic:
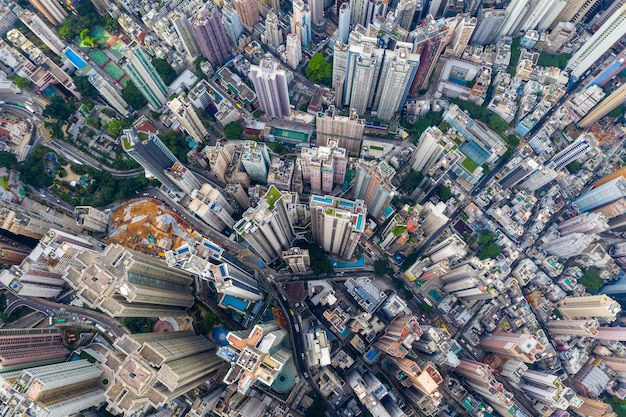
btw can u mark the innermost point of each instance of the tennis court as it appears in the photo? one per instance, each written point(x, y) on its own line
point(98, 57)
point(116, 48)
point(115, 71)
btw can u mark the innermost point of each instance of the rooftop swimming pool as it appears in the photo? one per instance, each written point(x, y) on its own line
point(236, 303)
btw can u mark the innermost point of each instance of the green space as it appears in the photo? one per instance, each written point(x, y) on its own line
point(421, 124)
point(133, 96)
point(553, 60)
point(573, 167)
point(320, 264)
point(469, 165)
point(318, 70)
point(411, 180)
point(272, 197)
point(114, 70)
point(488, 248)
point(176, 143)
point(165, 70)
point(515, 53)
point(233, 131)
point(382, 268)
point(444, 193)
point(591, 280)
point(139, 324)
point(289, 134)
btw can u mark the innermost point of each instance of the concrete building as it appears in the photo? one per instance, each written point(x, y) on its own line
point(488, 22)
point(188, 118)
point(601, 195)
point(273, 31)
point(587, 328)
point(372, 184)
point(140, 70)
point(542, 14)
point(185, 33)
point(124, 283)
point(7, 19)
point(584, 223)
point(573, 244)
point(280, 174)
point(92, 219)
point(152, 369)
point(317, 12)
point(270, 85)
point(480, 377)
point(430, 148)
point(43, 31)
point(594, 408)
point(256, 160)
point(111, 94)
point(268, 227)
point(399, 336)
point(254, 355)
point(323, 167)
point(522, 347)
point(548, 389)
point(57, 390)
point(232, 23)
point(576, 10)
point(210, 34)
point(293, 51)
point(183, 177)
point(397, 72)
point(405, 12)
point(344, 22)
point(462, 35)
point(51, 9)
point(572, 152)
point(615, 99)
point(347, 131)
point(151, 153)
point(317, 347)
point(297, 259)
point(337, 224)
point(212, 207)
point(229, 280)
point(596, 46)
point(26, 348)
point(301, 21)
point(248, 11)
point(592, 306)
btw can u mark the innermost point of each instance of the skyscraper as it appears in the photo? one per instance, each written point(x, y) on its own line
point(211, 35)
point(522, 347)
point(51, 9)
point(584, 223)
point(347, 131)
point(110, 93)
point(317, 12)
point(576, 10)
point(601, 195)
point(185, 34)
point(57, 390)
point(572, 152)
point(212, 207)
point(248, 11)
point(43, 31)
point(293, 51)
point(372, 184)
point(301, 21)
point(344, 22)
point(567, 246)
point(323, 166)
point(124, 283)
point(462, 34)
point(487, 24)
point(141, 72)
point(232, 23)
point(256, 161)
point(405, 12)
point(396, 75)
point(189, 120)
point(273, 32)
point(592, 306)
point(151, 153)
point(615, 99)
point(268, 227)
point(587, 328)
point(598, 44)
point(430, 147)
point(270, 85)
point(541, 14)
point(399, 336)
point(548, 389)
point(481, 378)
point(337, 224)
point(151, 369)
point(25, 348)
point(515, 12)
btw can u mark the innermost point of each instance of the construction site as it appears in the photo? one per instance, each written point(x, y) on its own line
point(147, 225)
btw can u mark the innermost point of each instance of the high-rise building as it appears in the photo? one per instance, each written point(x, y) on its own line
point(592, 306)
point(593, 408)
point(560, 35)
point(347, 131)
point(372, 184)
point(256, 160)
point(431, 38)
point(297, 259)
point(548, 389)
point(188, 118)
point(576, 10)
point(541, 14)
point(430, 147)
point(212, 207)
point(344, 22)
point(572, 152)
point(337, 224)
point(481, 378)
point(143, 74)
point(363, 63)
point(183, 178)
point(51, 9)
point(25, 348)
point(584, 223)
point(56, 390)
point(232, 23)
point(248, 11)
point(515, 13)
point(615, 99)
point(254, 355)
point(151, 153)
point(396, 75)
point(232, 281)
point(405, 12)
point(151, 369)
point(270, 85)
point(293, 51)
point(399, 336)
point(322, 167)
point(462, 35)
point(597, 45)
point(601, 195)
point(185, 34)
point(7, 19)
point(268, 227)
point(587, 328)
point(567, 246)
point(268, 6)
point(111, 94)
point(488, 22)
point(317, 12)
point(124, 283)
point(301, 21)
point(43, 31)
point(273, 31)
point(211, 35)
point(522, 347)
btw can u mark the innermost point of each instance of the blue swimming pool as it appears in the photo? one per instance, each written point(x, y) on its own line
point(337, 264)
point(74, 59)
point(191, 143)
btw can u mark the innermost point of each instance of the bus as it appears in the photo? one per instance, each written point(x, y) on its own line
point(61, 320)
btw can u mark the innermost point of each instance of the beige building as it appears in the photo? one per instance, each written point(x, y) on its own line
point(399, 336)
point(151, 369)
point(587, 328)
point(297, 259)
point(92, 219)
point(51, 9)
point(346, 130)
point(188, 118)
point(521, 347)
point(592, 306)
point(323, 167)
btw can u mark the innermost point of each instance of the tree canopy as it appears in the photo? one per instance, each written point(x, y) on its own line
point(165, 70)
point(21, 82)
point(444, 193)
point(552, 60)
point(7, 159)
point(320, 264)
point(496, 123)
point(133, 96)
point(382, 268)
point(411, 180)
point(59, 108)
point(591, 280)
point(176, 143)
point(489, 251)
point(115, 127)
point(319, 70)
point(32, 170)
point(421, 124)
point(233, 131)
point(84, 87)
point(74, 24)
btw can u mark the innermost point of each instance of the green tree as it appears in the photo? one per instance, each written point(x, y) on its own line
point(115, 127)
point(444, 193)
point(411, 180)
point(320, 264)
point(591, 280)
point(233, 131)
point(496, 123)
point(421, 124)
point(133, 96)
point(110, 24)
point(139, 324)
point(319, 70)
point(87, 39)
point(59, 108)
point(84, 87)
point(93, 122)
point(573, 167)
point(486, 237)
point(7, 159)
point(512, 141)
point(489, 251)
point(165, 70)
point(176, 143)
point(32, 169)
point(382, 268)
point(21, 82)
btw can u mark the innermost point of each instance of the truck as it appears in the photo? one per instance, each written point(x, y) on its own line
point(50, 319)
point(100, 327)
point(261, 265)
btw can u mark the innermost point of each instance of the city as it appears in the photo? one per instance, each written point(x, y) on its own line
point(308, 208)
